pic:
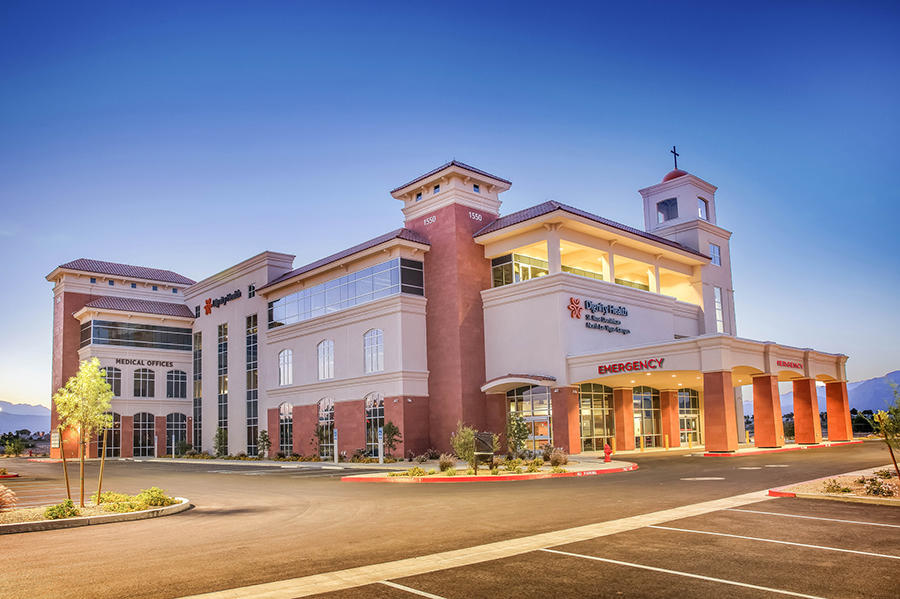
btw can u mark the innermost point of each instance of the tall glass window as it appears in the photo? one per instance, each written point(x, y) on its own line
point(326, 428)
point(144, 431)
point(222, 387)
point(198, 388)
point(373, 349)
point(176, 384)
point(702, 208)
point(114, 378)
point(375, 282)
point(144, 382)
point(285, 367)
point(533, 404)
point(252, 385)
point(689, 415)
point(374, 421)
point(113, 438)
point(597, 419)
point(720, 310)
point(176, 431)
point(105, 332)
point(715, 253)
point(325, 351)
point(647, 417)
point(515, 268)
point(286, 428)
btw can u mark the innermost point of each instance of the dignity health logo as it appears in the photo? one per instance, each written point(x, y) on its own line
point(575, 307)
point(604, 321)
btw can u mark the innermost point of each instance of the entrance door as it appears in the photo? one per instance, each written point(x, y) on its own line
point(638, 431)
point(690, 428)
point(539, 427)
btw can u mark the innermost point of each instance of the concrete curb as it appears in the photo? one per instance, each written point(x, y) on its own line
point(270, 463)
point(778, 449)
point(358, 478)
point(90, 520)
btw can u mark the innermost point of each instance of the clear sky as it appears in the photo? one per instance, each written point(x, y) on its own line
point(192, 135)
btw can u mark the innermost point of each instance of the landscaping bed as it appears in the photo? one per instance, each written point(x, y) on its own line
point(876, 485)
point(110, 503)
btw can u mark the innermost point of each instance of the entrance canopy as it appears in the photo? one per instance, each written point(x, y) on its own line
point(504, 383)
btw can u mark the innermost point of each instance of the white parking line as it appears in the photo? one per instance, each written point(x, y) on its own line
point(686, 574)
point(815, 518)
point(410, 590)
point(723, 534)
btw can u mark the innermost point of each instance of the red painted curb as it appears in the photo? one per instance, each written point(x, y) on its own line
point(8, 475)
point(481, 479)
point(779, 449)
point(777, 493)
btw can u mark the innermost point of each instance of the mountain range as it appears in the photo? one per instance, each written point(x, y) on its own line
point(16, 416)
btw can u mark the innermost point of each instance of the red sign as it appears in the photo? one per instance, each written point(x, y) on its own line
point(787, 364)
point(636, 366)
point(208, 305)
point(575, 307)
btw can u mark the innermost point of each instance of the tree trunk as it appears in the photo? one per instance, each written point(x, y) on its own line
point(81, 460)
point(62, 451)
point(102, 463)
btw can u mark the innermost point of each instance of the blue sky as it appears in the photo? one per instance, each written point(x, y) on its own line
point(192, 135)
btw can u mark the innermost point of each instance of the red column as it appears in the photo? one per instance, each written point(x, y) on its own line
point(718, 412)
point(350, 422)
point(189, 437)
point(565, 418)
point(768, 427)
point(668, 412)
point(838, 411)
point(272, 422)
point(623, 409)
point(807, 425)
point(160, 426)
point(495, 410)
point(306, 419)
point(127, 437)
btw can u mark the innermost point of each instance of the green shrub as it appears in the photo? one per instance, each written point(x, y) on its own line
point(879, 473)
point(110, 497)
point(470, 472)
point(446, 461)
point(122, 507)
point(546, 450)
point(535, 465)
point(463, 443)
point(518, 470)
point(220, 442)
point(421, 459)
point(558, 470)
point(415, 471)
point(495, 471)
point(15, 446)
point(66, 509)
point(559, 457)
point(182, 447)
point(450, 471)
point(516, 433)
point(876, 486)
point(401, 473)
point(497, 462)
point(154, 496)
point(511, 465)
point(833, 486)
point(432, 472)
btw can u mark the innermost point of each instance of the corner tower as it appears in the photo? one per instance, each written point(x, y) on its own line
point(447, 206)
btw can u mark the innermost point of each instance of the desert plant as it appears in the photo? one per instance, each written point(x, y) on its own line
point(887, 426)
point(516, 433)
point(421, 459)
point(557, 470)
point(559, 457)
point(497, 462)
point(535, 465)
point(495, 471)
point(878, 487)
point(546, 450)
point(446, 461)
point(879, 473)
point(432, 453)
point(66, 509)
point(220, 442)
point(263, 443)
point(833, 486)
point(416, 471)
point(182, 447)
point(390, 436)
point(14, 447)
point(450, 471)
point(8, 498)
point(432, 472)
point(154, 496)
point(463, 443)
point(470, 472)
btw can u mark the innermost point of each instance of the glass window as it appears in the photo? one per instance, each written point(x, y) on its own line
point(326, 428)
point(134, 285)
point(515, 268)
point(373, 349)
point(374, 421)
point(689, 415)
point(325, 350)
point(437, 189)
point(93, 279)
point(703, 208)
point(533, 404)
point(476, 188)
point(114, 378)
point(720, 311)
point(666, 210)
point(155, 288)
point(176, 384)
point(286, 428)
point(198, 388)
point(105, 332)
point(144, 382)
point(222, 372)
point(176, 431)
point(144, 433)
point(113, 438)
point(419, 197)
point(285, 367)
point(647, 417)
point(597, 418)
point(251, 290)
point(174, 290)
point(111, 283)
point(715, 252)
point(252, 385)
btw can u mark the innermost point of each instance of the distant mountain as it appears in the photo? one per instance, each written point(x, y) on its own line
point(870, 394)
point(16, 416)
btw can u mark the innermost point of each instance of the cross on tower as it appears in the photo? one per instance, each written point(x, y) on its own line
point(675, 155)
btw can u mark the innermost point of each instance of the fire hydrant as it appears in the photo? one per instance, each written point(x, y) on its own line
point(607, 452)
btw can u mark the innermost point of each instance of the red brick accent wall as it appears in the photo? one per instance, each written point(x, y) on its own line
point(838, 411)
point(768, 428)
point(668, 411)
point(807, 424)
point(410, 414)
point(623, 409)
point(127, 437)
point(495, 411)
point(455, 274)
point(350, 422)
point(160, 426)
point(718, 412)
point(272, 420)
point(66, 338)
point(189, 437)
point(566, 422)
point(306, 419)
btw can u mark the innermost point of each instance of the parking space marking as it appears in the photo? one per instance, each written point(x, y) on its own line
point(704, 478)
point(731, 509)
point(394, 585)
point(687, 574)
point(724, 534)
point(778, 466)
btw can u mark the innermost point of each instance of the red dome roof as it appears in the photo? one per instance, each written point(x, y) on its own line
point(674, 175)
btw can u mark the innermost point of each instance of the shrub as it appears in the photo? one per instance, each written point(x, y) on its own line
point(495, 471)
point(470, 472)
point(497, 462)
point(557, 470)
point(110, 497)
point(401, 473)
point(833, 486)
point(876, 486)
point(154, 496)
point(546, 450)
point(463, 443)
point(433, 454)
point(421, 459)
point(511, 465)
point(416, 471)
point(432, 472)
point(182, 447)
point(446, 461)
point(450, 472)
point(3, 472)
point(390, 437)
point(516, 433)
point(7, 498)
point(279, 455)
point(879, 473)
point(263, 443)
point(518, 470)
point(191, 453)
point(558, 457)
point(122, 507)
point(535, 465)
point(15, 446)
point(220, 442)
point(66, 509)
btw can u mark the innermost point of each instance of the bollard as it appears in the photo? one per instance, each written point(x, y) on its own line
point(690, 440)
point(613, 444)
point(666, 438)
point(642, 442)
point(747, 435)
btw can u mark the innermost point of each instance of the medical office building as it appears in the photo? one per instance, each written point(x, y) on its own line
point(590, 329)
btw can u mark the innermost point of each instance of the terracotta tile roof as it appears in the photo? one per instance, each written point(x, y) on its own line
point(407, 234)
point(128, 304)
point(452, 163)
point(126, 270)
point(551, 206)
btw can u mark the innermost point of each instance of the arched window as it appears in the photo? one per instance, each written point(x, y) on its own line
point(143, 435)
point(373, 348)
point(285, 367)
point(114, 378)
point(113, 438)
point(647, 417)
point(176, 431)
point(286, 428)
point(144, 382)
point(176, 384)
point(325, 350)
point(326, 428)
point(374, 421)
point(597, 420)
point(689, 415)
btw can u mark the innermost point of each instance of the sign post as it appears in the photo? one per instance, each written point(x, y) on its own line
point(335, 446)
point(381, 445)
